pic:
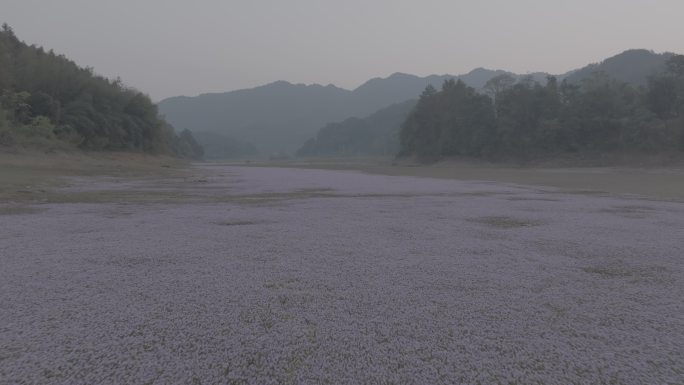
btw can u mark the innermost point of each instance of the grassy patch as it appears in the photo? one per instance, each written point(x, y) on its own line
point(539, 199)
point(107, 196)
point(239, 223)
point(661, 181)
point(653, 274)
point(609, 272)
point(134, 262)
point(273, 197)
point(628, 210)
point(504, 222)
point(581, 192)
point(33, 176)
point(20, 210)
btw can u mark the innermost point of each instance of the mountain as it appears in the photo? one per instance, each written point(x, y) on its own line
point(632, 66)
point(276, 117)
point(376, 134)
point(381, 92)
point(280, 116)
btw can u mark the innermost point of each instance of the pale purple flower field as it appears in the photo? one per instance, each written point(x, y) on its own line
point(286, 276)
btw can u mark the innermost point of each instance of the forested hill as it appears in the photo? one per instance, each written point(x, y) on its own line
point(633, 66)
point(280, 117)
point(600, 114)
point(277, 117)
point(376, 134)
point(48, 100)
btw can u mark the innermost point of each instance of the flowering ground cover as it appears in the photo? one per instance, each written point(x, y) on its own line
point(250, 275)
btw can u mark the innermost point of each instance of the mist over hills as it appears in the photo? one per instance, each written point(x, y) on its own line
point(376, 134)
point(632, 66)
point(279, 117)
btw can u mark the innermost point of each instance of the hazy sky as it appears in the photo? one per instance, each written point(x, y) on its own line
point(182, 47)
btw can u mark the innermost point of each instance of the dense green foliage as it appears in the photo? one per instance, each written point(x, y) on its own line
point(377, 134)
point(456, 120)
point(526, 119)
point(46, 98)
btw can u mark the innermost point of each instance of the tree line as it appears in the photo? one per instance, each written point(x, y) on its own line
point(524, 119)
point(47, 98)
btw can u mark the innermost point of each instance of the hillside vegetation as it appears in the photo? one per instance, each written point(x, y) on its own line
point(599, 114)
point(377, 134)
point(46, 100)
point(633, 66)
point(280, 117)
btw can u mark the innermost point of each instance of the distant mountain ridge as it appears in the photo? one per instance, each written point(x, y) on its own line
point(279, 117)
point(632, 66)
point(275, 117)
point(376, 134)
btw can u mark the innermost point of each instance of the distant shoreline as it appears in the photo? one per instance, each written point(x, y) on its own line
point(648, 177)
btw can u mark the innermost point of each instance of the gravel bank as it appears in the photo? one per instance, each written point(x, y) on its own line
point(276, 276)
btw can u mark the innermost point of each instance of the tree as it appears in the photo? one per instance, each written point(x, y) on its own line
point(675, 65)
point(528, 119)
point(41, 92)
point(662, 96)
point(454, 121)
point(498, 84)
point(187, 146)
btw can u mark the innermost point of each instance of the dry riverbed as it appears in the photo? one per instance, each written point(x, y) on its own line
point(256, 275)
